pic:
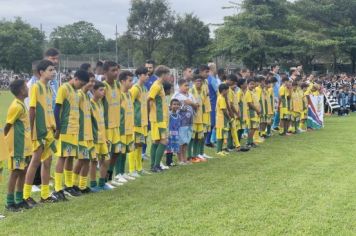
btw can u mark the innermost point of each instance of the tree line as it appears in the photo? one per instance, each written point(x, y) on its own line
point(260, 33)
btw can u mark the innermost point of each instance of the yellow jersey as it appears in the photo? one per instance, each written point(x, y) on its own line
point(111, 103)
point(221, 120)
point(98, 121)
point(158, 105)
point(126, 115)
point(85, 124)
point(252, 97)
point(139, 100)
point(198, 96)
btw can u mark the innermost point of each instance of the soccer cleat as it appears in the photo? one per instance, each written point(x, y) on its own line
point(24, 205)
point(226, 153)
point(163, 167)
point(70, 191)
point(105, 188)
point(76, 188)
point(120, 178)
point(221, 154)
point(85, 191)
point(156, 170)
point(145, 172)
point(95, 189)
point(128, 177)
point(206, 156)
point(36, 188)
point(135, 174)
point(114, 184)
point(12, 208)
point(202, 159)
point(50, 199)
point(244, 149)
point(2, 217)
point(60, 196)
point(195, 160)
point(30, 201)
point(211, 145)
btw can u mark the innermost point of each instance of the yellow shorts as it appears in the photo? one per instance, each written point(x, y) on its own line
point(48, 144)
point(140, 134)
point(67, 145)
point(284, 114)
point(113, 136)
point(304, 115)
point(126, 144)
point(295, 116)
point(159, 131)
point(222, 133)
point(86, 150)
point(18, 163)
point(101, 152)
point(198, 131)
point(253, 124)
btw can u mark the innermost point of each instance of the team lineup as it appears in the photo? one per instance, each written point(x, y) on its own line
point(93, 126)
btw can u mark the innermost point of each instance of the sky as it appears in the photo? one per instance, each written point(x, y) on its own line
point(103, 14)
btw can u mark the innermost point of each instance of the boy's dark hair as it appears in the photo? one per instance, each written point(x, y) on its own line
point(141, 71)
point(221, 71)
point(273, 80)
point(284, 78)
point(304, 85)
point(43, 65)
point(51, 52)
point(241, 82)
point(294, 83)
point(232, 78)
point(162, 70)
point(109, 64)
point(82, 75)
point(250, 80)
point(182, 81)
point(91, 75)
point(298, 78)
point(223, 87)
point(99, 64)
point(98, 84)
point(259, 79)
point(196, 77)
point(167, 87)
point(85, 66)
point(203, 68)
point(174, 100)
point(124, 75)
point(150, 61)
point(16, 86)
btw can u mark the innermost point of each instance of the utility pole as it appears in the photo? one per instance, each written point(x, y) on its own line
point(116, 49)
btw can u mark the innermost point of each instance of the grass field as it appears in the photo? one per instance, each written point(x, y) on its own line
point(299, 185)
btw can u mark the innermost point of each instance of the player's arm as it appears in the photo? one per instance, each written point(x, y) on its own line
point(57, 110)
point(7, 128)
point(13, 114)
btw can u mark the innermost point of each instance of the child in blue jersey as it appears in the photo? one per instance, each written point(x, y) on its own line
point(173, 126)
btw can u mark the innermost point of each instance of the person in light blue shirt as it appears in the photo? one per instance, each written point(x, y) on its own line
point(213, 89)
point(275, 71)
point(52, 54)
point(150, 65)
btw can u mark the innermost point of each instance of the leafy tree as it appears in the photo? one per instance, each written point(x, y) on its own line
point(192, 34)
point(20, 45)
point(150, 21)
point(77, 38)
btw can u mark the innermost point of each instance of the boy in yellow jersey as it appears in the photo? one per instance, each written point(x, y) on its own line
point(18, 138)
point(233, 140)
point(158, 113)
point(111, 103)
point(66, 113)
point(241, 101)
point(222, 119)
point(270, 104)
point(139, 98)
point(101, 147)
point(284, 105)
point(126, 144)
point(253, 110)
point(304, 115)
point(204, 73)
point(264, 109)
point(86, 148)
point(296, 106)
point(198, 126)
point(42, 125)
point(259, 80)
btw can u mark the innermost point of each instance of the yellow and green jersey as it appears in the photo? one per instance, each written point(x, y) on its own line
point(158, 106)
point(252, 97)
point(139, 99)
point(270, 101)
point(198, 96)
point(85, 124)
point(297, 100)
point(126, 115)
point(19, 136)
point(41, 100)
point(98, 121)
point(285, 97)
point(111, 103)
point(68, 98)
point(206, 99)
point(241, 101)
point(222, 122)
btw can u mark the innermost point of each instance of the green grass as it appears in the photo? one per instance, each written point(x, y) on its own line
point(299, 185)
